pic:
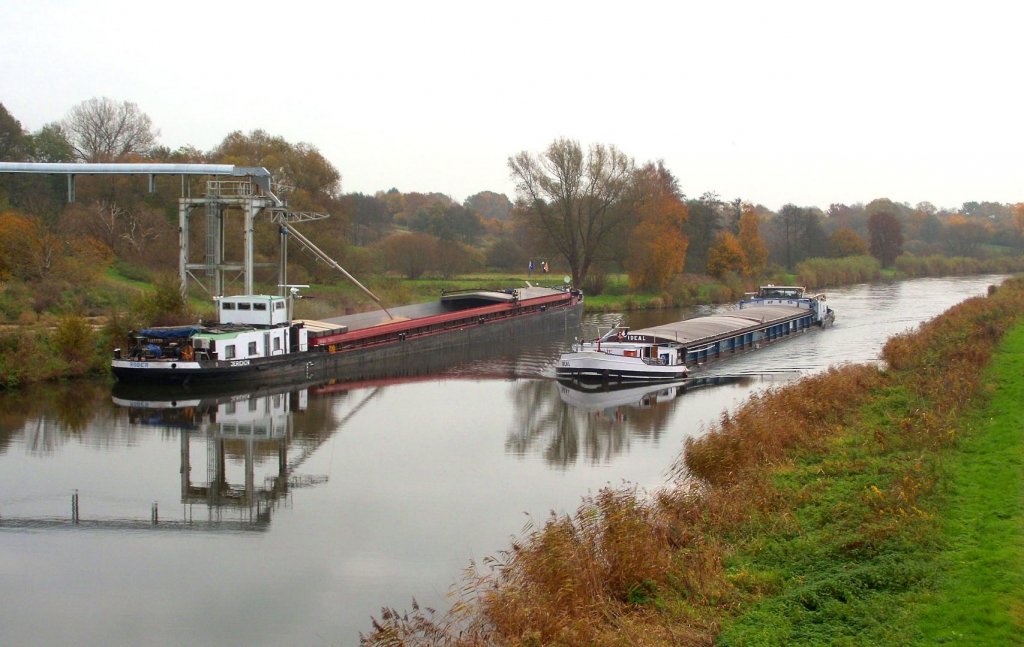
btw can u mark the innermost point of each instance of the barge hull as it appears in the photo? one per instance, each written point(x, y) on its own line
point(407, 356)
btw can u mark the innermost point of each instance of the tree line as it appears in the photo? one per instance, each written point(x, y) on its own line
point(588, 211)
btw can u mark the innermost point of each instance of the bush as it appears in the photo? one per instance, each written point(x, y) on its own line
point(163, 307)
point(595, 282)
point(815, 273)
point(74, 341)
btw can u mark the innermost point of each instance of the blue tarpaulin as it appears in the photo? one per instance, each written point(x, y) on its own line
point(178, 332)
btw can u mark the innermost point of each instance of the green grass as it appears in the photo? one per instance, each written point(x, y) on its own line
point(979, 597)
point(893, 542)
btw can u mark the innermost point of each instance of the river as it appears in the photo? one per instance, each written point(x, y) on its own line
point(292, 517)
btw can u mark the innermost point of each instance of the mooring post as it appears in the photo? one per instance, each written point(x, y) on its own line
point(74, 507)
point(155, 515)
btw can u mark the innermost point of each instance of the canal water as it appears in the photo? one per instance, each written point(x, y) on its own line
point(291, 516)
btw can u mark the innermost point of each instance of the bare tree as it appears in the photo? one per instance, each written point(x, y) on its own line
point(103, 130)
point(575, 202)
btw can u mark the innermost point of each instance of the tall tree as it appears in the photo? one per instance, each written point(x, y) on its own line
point(368, 216)
point(14, 142)
point(726, 255)
point(885, 237)
point(656, 250)
point(786, 225)
point(576, 202)
point(702, 228)
point(755, 253)
point(50, 144)
point(103, 130)
point(310, 181)
point(799, 234)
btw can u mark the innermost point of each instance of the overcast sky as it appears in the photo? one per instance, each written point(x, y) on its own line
point(772, 102)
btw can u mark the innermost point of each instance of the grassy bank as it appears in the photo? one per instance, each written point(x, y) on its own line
point(979, 594)
point(848, 508)
point(911, 530)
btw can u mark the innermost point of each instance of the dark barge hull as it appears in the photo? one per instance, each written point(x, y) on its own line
point(405, 355)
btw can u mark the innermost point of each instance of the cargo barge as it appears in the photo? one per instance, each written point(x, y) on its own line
point(667, 352)
point(256, 341)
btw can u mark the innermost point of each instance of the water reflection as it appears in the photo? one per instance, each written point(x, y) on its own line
point(565, 421)
point(50, 414)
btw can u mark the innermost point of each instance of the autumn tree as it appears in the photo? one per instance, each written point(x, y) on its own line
point(885, 237)
point(31, 251)
point(755, 252)
point(573, 202)
point(964, 235)
point(846, 242)
point(103, 130)
point(133, 231)
point(490, 205)
point(454, 222)
point(412, 254)
point(657, 245)
point(841, 215)
point(300, 171)
point(725, 255)
point(452, 257)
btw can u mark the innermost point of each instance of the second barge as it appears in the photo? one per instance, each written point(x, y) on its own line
point(665, 352)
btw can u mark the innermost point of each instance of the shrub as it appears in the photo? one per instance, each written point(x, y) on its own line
point(164, 306)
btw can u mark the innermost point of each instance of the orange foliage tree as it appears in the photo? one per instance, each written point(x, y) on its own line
point(726, 255)
point(846, 242)
point(412, 254)
point(31, 252)
point(656, 250)
point(755, 252)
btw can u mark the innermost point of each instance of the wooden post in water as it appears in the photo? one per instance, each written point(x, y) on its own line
point(74, 507)
point(154, 514)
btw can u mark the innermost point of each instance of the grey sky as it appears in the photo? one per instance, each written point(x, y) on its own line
point(771, 102)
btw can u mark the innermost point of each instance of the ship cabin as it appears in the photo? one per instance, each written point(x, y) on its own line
point(253, 310)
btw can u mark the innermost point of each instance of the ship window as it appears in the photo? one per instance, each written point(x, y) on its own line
point(252, 348)
point(279, 305)
point(277, 343)
point(259, 306)
point(229, 351)
point(227, 306)
point(245, 306)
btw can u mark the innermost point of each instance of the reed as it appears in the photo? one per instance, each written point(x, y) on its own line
point(815, 273)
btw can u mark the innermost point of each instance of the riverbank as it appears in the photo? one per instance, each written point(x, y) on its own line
point(863, 515)
point(61, 344)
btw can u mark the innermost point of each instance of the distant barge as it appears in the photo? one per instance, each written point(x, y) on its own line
point(666, 352)
point(256, 341)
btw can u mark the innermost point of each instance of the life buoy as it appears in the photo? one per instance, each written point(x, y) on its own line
point(187, 353)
